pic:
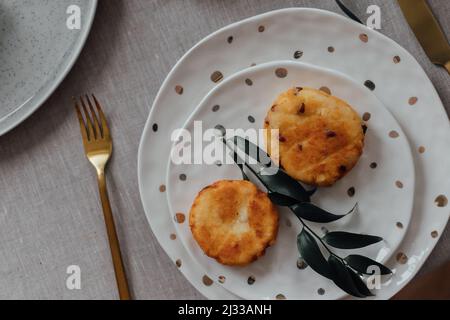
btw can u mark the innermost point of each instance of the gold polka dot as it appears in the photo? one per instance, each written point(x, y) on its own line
point(373, 165)
point(393, 134)
point(251, 280)
point(180, 217)
point(162, 188)
point(434, 234)
point(261, 28)
point(207, 281)
point(178, 263)
point(280, 297)
point(330, 49)
point(325, 89)
point(364, 37)
point(369, 84)
point(298, 54)
point(281, 72)
point(401, 258)
point(366, 116)
point(412, 101)
point(221, 279)
point(441, 201)
point(216, 76)
point(173, 236)
point(179, 89)
point(399, 225)
point(351, 191)
point(421, 149)
point(396, 59)
point(253, 64)
point(321, 291)
point(399, 184)
point(301, 264)
point(249, 82)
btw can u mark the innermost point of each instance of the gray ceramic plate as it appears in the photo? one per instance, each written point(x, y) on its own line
point(37, 50)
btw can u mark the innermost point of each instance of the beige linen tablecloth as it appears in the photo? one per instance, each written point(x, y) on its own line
point(50, 215)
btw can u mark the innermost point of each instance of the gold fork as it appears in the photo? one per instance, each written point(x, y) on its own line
point(97, 143)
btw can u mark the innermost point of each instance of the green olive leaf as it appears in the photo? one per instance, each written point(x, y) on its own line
point(310, 212)
point(310, 252)
point(359, 283)
point(244, 175)
point(283, 190)
point(343, 278)
point(361, 264)
point(311, 192)
point(280, 199)
point(348, 240)
point(278, 181)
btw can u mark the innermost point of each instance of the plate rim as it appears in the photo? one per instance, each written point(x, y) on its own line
point(14, 118)
point(152, 112)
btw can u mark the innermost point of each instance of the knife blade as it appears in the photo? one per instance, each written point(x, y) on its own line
point(427, 30)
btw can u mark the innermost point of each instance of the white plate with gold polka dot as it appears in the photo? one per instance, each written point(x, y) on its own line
point(382, 185)
point(324, 39)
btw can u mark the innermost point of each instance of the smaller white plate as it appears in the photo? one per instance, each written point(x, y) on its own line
point(384, 194)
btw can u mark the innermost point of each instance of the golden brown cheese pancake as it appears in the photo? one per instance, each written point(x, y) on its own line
point(233, 222)
point(320, 136)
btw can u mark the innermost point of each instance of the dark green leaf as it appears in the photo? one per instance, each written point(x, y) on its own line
point(361, 264)
point(313, 213)
point(282, 183)
point(310, 252)
point(311, 192)
point(244, 176)
point(239, 162)
point(347, 240)
point(281, 199)
point(253, 151)
point(279, 181)
point(343, 278)
point(359, 283)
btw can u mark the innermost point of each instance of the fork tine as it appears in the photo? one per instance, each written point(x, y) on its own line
point(105, 127)
point(80, 119)
point(94, 118)
point(88, 120)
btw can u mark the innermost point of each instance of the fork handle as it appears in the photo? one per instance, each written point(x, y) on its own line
point(119, 270)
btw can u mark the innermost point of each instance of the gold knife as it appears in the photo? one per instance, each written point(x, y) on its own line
point(427, 31)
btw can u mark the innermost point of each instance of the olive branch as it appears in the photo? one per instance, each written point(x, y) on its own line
point(285, 191)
